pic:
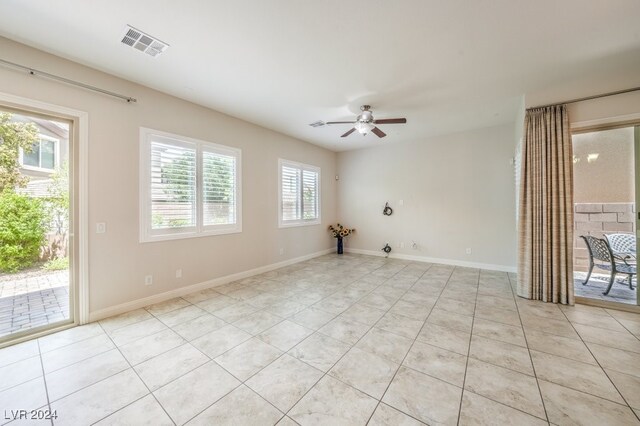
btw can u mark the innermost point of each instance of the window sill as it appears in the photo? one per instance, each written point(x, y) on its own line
point(297, 224)
point(189, 235)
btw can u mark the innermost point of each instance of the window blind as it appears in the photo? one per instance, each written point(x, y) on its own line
point(291, 196)
point(218, 189)
point(309, 194)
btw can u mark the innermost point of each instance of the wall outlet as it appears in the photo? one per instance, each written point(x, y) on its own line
point(281, 251)
point(101, 228)
point(468, 251)
point(148, 279)
point(178, 273)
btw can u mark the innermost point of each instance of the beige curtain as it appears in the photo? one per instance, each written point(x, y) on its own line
point(545, 219)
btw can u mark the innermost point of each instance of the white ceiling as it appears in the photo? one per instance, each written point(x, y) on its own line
point(446, 66)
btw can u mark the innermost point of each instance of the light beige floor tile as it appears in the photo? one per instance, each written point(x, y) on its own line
point(144, 412)
point(616, 359)
point(400, 325)
point(286, 421)
point(20, 372)
point(378, 301)
point(559, 327)
point(388, 345)
point(67, 337)
point(504, 316)
point(258, 322)
point(365, 371)
point(248, 358)
point(200, 296)
point(216, 303)
point(189, 395)
point(436, 362)
point(18, 352)
point(363, 314)
point(502, 354)
point(167, 306)
point(567, 406)
point(219, 341)
point(138, 330)
point(627, 385)
point(445, 338)
point(26, 396)
point(332, 402)
point(480, 411)
point(450, 320)
point(240, 407)
point(456, 306)
point(508, 387)
point(286, 308)
point(235, 312)
point(99, 400)
point(320, 351)
point(150, 346)
point(424, 397)
point(387, 416)
point(495, 302)
point(560, 346)
point(594, 320)
point(334, 304)
point(84, 373)
point(576, 375)
point(625, 341)
point(344, 330)
point(312, 318)
point(285, 335)
point(173, 318)
point(501, 332)
point(162, 369)
point(198, 327)
point(285, 381)
point(418, 311)
point(76, 352)
point(125, 319)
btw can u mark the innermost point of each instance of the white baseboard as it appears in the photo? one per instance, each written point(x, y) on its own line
point(157, 298)
point(488, 266)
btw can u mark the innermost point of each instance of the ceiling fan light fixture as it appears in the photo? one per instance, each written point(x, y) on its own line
point(363, 128)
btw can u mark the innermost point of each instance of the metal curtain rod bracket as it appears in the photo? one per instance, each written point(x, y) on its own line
point(588, 98)
point(43, 74)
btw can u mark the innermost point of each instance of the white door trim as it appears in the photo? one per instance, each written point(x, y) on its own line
point(81, 122)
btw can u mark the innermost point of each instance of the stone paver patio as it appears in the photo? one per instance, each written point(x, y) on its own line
point(620, 292)
point(33, 300)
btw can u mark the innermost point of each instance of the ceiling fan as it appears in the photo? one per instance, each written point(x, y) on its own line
point(365, 123)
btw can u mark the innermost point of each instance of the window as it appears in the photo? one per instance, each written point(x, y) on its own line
point(188, 187)
point(43, 155)
point(299, 201)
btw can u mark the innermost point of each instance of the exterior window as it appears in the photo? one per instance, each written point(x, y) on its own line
point(189, 188)
point(43, 155)
point(299, 200)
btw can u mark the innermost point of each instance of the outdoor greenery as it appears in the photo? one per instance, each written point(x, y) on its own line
point(58, 264)
point(22, 230)
point(57, 210)
point(13, 136)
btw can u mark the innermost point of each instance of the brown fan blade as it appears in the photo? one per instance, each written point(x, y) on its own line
point(348, 133)
point(339, 122)
point(378, 132)
point(391, 121)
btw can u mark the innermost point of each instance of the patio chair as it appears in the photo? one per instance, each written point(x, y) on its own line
point(623, 246)
point(600, 255)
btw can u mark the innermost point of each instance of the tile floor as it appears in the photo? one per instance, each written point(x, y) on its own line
point(346, 340)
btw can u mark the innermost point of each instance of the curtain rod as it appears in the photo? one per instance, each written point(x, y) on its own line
point(35, 72)
point(588, 98)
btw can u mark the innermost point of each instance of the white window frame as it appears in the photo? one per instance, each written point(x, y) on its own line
point(56, 155)
point(298, 222)
point(147, 233)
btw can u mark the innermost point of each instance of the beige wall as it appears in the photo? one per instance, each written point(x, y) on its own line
point(609, 177)
point(117, 261)
point(458, 192)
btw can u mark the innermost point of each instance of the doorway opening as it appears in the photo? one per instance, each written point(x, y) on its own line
point(605, 214)
point(36, 251)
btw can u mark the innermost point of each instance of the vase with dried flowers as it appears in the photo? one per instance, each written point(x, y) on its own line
point(339, 232)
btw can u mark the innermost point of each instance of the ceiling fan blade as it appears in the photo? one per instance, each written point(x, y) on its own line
point(378, 132)
point(339, 122)
point(390, 121)
point(348, 133)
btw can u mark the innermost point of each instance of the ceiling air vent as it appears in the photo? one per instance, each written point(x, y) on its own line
point(317, 123)
point(143, 42)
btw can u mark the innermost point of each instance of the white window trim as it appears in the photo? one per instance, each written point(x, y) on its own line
point(200, 230)
point(298, 222)
point(56, 155)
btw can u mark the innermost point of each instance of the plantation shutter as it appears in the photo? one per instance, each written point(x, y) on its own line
point(172, 186)
point(218, 189)
point(310, 194)
point(291, 193)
